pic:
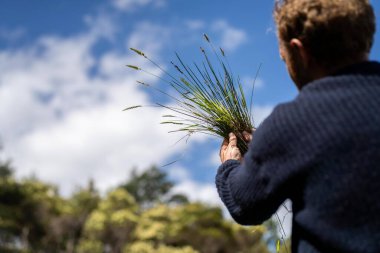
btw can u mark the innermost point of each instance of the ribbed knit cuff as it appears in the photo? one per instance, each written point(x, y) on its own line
point(222, 185)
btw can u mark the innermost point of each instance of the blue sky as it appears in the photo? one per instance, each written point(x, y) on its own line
point(63, 84)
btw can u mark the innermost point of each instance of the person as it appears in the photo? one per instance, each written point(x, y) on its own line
point(322, 149)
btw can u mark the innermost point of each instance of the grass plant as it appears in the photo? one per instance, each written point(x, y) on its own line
point(208, 98)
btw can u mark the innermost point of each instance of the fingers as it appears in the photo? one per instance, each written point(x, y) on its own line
point(229, 149)
point(223, 149)
point(233, 140)
point(225, 143)
point(232, 151)
point(247, 136)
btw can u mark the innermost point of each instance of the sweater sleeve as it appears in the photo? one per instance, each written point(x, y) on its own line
point(254, 189)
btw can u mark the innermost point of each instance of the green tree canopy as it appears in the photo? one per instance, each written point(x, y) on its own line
point(151, 187)
point(35, 218)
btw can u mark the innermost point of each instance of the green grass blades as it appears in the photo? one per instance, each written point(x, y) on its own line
point(208, 98)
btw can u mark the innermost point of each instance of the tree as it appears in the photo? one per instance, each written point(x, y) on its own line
point(27, 211)
point(5, 169)
point(151, 187)
point(11, 197)
point(40, 207)
point(199, 226)
point(147, 247)
point(68, 227)
point(111, 223)
point(35, 218)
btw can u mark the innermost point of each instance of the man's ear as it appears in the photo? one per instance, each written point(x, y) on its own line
point(298, 47)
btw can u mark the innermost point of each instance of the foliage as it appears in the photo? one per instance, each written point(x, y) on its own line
point(199, 226)
point(147, 247)
point(148, 187)
point(152, 187)
point(113, 222)
point(28, 209)
point(35, 218)
point(90, 246)
point(285, 247)
point(5, 170)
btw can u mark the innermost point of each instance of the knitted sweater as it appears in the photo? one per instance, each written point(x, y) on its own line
point(321, 151)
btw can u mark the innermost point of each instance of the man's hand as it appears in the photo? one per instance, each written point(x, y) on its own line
point(229, 149)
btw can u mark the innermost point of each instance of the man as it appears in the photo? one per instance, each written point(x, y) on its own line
point(321, 150)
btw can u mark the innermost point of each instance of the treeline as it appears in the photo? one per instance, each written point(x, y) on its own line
point(140, 216)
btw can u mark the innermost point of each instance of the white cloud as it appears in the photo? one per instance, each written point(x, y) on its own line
point(215, 159)
point(285, 217)
point(260, 113)
point(11, 35)
point(179, 174)
point(132, 5)
point(231, 37)
point(149, 38)
point(51, 68)
point(248, 81)
point(271, 30)
point(101, 26)
point(201, 192)
point(65, 125)
point(195, 24)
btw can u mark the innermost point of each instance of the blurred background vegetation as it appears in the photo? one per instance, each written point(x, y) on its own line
point(139, 216)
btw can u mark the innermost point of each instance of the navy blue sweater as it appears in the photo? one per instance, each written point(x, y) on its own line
point(322, 151)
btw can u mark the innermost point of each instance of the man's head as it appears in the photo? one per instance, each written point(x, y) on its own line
point(317, 37)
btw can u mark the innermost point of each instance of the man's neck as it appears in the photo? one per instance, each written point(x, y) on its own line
point(339, 67)
point(321, 72)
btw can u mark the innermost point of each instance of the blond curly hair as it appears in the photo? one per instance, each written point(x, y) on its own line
point(333, 31)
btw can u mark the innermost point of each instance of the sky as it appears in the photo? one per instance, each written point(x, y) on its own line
point(64, 84)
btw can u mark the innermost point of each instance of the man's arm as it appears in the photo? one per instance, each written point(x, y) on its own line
point(254, 187)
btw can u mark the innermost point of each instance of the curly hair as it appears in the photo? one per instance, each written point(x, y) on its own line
point(333, 31)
